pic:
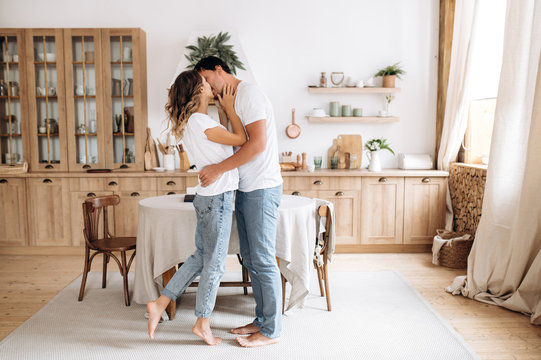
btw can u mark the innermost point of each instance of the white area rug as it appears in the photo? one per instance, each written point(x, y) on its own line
point(376, 315)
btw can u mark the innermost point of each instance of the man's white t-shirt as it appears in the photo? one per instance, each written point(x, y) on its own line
point(202, 152)
point(263, 172)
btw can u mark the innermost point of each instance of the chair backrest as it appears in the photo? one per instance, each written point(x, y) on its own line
point(94, 209)
point(324, 211)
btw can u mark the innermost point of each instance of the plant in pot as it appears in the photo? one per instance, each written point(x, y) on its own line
point(390, 73)
point(373, 148)
point(214, 46)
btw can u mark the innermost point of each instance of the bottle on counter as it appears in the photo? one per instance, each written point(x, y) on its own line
point(323, 80)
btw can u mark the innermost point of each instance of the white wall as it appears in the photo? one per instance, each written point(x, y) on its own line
point(287, 43)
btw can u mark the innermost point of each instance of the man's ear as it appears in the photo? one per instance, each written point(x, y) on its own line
point(218, 69)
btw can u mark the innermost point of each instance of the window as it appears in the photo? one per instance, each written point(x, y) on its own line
point(487, 50)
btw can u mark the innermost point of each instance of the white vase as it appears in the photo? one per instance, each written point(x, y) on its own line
point(375, 162)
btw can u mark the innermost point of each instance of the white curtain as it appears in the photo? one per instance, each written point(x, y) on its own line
point(504, 266)
point(456, 106)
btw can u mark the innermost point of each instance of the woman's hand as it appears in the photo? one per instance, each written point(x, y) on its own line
point(227, 99)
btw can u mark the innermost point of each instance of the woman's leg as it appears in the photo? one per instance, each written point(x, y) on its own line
point(184, 276)
point(215, 216)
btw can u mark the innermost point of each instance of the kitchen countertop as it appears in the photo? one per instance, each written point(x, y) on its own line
point(178, 172)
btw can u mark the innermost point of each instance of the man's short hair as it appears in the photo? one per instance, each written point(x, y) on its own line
point(210, 63)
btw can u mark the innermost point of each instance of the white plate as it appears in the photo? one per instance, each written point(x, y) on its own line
point(159, 169)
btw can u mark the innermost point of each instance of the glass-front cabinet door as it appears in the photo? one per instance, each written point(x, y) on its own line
point(13, 147)
point(46, 100)
point(125, 109)
point(83, 69)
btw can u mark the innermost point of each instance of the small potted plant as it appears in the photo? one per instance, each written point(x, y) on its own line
point(389, 74)
point(373, 148)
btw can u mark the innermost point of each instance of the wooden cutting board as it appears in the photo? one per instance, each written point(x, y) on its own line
point(352, 144)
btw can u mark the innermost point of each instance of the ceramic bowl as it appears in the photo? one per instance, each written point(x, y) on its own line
point(158, 169)
point(318, 112)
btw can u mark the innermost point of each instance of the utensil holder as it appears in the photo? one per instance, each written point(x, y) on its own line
point(169, 161)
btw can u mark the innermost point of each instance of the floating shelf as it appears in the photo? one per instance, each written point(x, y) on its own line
point(354, 119)
point(352, 90)
point(12, 135)
point(87, 134)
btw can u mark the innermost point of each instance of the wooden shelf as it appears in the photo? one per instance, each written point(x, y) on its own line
point(48, 97)
point(125, 134)
point(11, 97)
point(81, 63)
point(10, 63)
point(87, 134)
point(12, 135)
point(121, 96)
point(43, 62)
point(352, 90)
point(354, 119)
point(51, 135)
point(82, 97)
point(123, 62)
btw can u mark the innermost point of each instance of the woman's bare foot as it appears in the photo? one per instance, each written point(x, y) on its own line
point(245, 330)
point(155, 310)
point(256, 339)
point(202, 329)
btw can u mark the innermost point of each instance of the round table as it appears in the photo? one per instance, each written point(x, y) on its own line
point(165, 238)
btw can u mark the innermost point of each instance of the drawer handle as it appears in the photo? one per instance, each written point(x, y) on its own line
point(296, 193)
point(135, 194)
point(3, 181)
point(90, 195)
point(318, 182)
point(123, 166)
point(426, 180)
point(49, 166)
point(339, 193)
point(171, 193)
point(86, 166)
point(113, 183)
point(47, 181)
point(171, 183)
point(382, 180)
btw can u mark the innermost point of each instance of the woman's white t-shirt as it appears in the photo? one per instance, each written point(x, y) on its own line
point(263, 172)
point(202, 152)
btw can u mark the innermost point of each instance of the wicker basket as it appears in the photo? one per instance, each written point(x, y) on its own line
point(455, 253)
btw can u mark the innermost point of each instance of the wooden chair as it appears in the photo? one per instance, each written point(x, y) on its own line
point(95, 209)
point(321, 251)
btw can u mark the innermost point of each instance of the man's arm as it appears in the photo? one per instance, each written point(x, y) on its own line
point(257, 142)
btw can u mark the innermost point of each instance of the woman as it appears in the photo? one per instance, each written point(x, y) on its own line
point(207, 142)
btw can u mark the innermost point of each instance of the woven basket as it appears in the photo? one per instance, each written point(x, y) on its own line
point(455, 253)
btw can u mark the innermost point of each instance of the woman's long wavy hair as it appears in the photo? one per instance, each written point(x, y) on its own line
point(183, 100)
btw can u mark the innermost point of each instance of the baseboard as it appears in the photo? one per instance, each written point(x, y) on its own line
point(42, 250)
point(352, 249)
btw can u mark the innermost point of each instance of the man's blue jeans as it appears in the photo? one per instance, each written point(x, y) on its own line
point(257, 216)
point(214, 217)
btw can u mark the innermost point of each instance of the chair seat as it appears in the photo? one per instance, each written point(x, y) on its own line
point(116, 243)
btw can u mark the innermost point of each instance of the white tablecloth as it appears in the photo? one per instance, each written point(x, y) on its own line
point(165, 237)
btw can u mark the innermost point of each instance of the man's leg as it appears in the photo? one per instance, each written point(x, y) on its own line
point(260, 214)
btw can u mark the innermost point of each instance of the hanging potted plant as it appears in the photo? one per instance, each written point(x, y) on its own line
point(389, 74)
point(214, 46)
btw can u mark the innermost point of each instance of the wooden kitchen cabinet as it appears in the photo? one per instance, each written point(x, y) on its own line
point(44, 64)
point(13, 211)
point(424, 208)
point(347, 205)
point(13, 107)
point(125, 97)
point(382, 210)
point(49, 211)
point(131, 190)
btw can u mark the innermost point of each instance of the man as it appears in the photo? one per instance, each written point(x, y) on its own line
point(257, 199)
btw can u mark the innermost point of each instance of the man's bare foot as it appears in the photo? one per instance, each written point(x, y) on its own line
point(256, 339)
point(245, 330)
point(202, 329)
point(154, 317)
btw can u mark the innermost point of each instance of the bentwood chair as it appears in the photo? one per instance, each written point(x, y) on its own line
point(321, 252)
point(99, 240)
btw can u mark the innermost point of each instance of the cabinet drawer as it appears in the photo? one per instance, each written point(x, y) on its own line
point(130, 183)
point(87, 184)
point(316, 183)
point(171, 183)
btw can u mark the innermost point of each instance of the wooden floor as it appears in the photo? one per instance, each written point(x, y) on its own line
point(28, 282)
